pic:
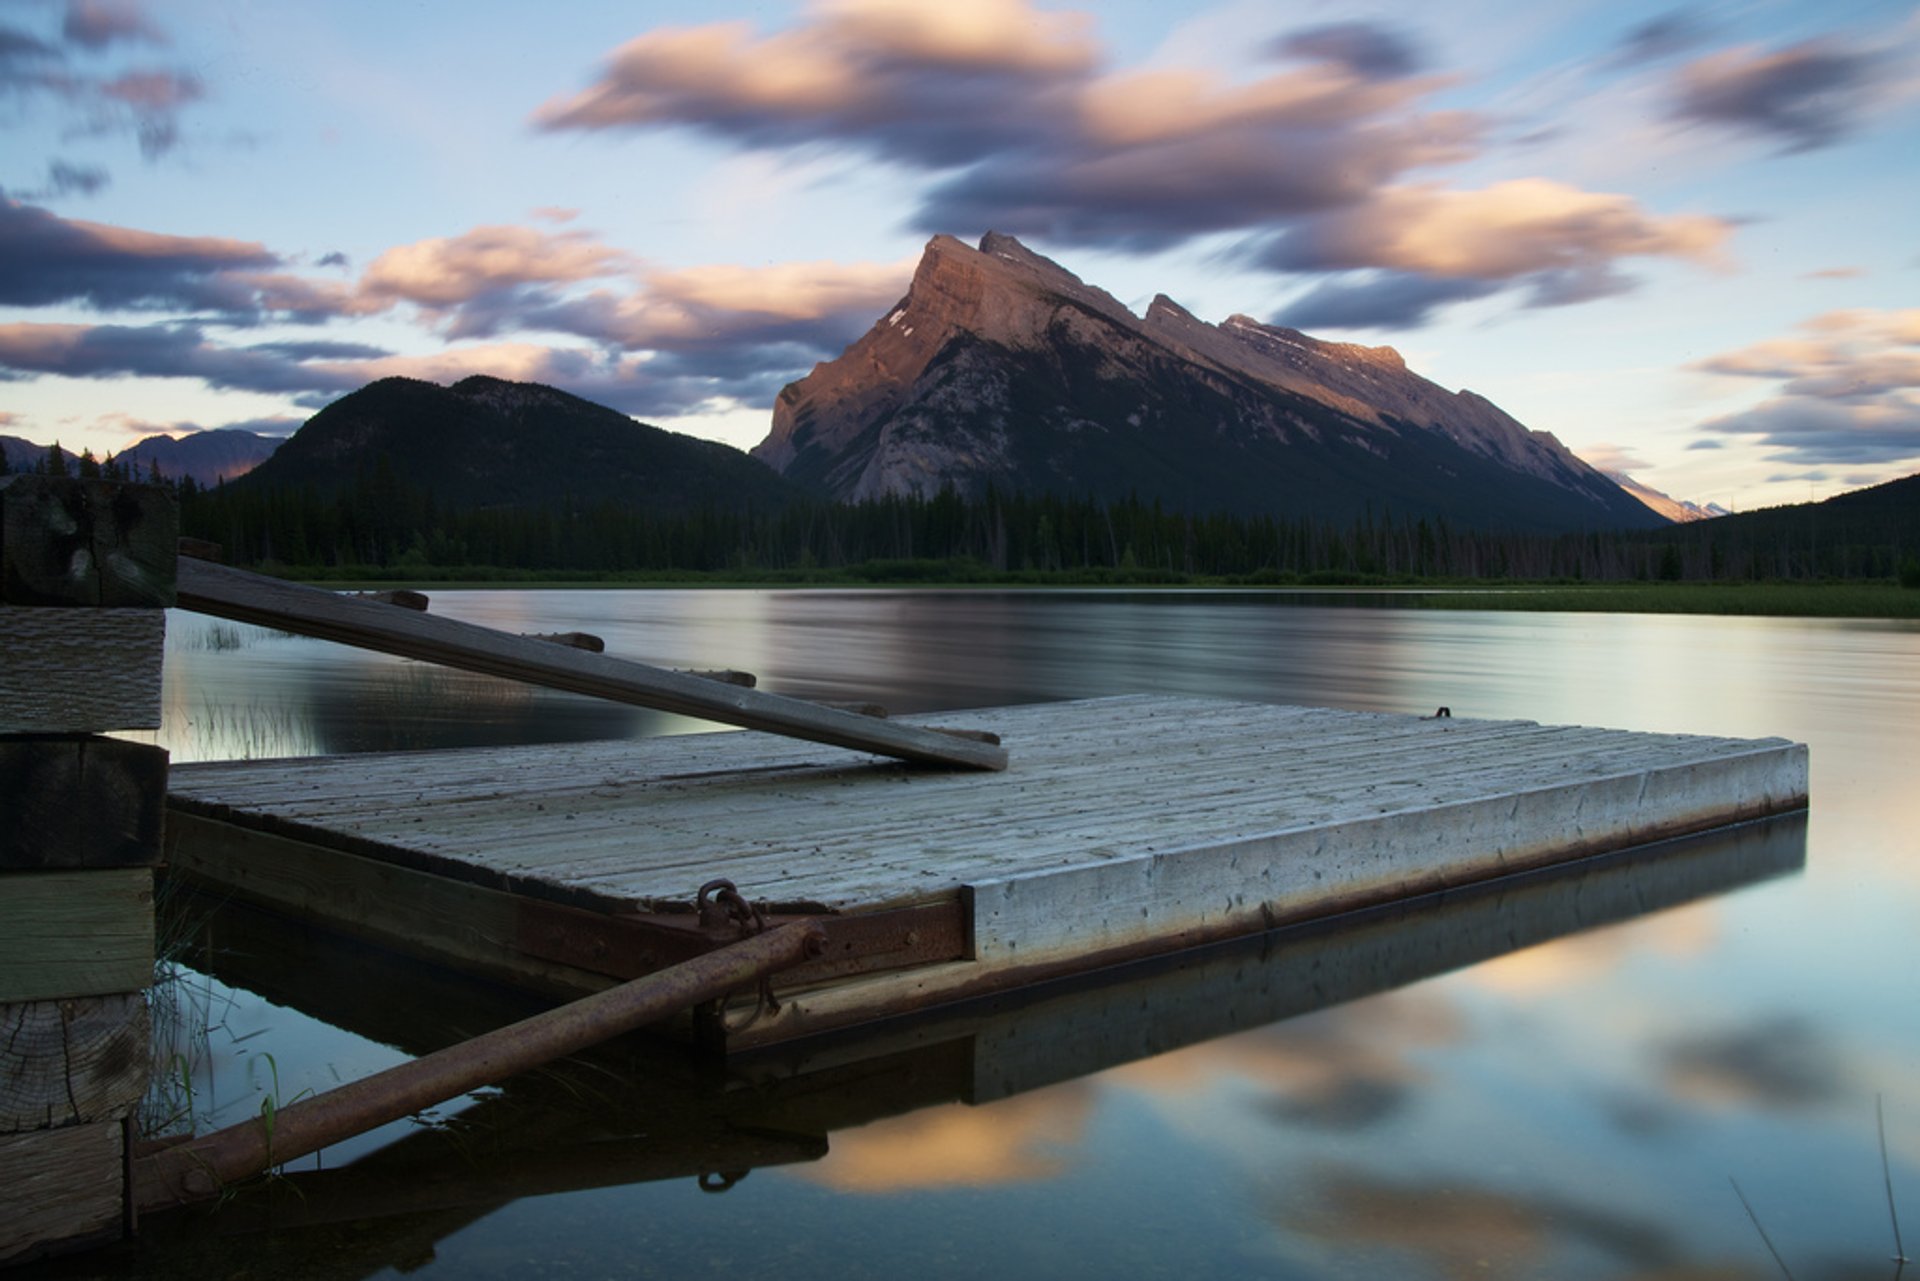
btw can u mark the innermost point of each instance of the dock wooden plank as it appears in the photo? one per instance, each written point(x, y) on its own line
point(251, 598)
point(1133, 825)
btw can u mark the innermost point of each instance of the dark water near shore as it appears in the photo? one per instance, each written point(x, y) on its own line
point(1575, 1108)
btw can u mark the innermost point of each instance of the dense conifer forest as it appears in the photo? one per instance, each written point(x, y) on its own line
point(380, 522)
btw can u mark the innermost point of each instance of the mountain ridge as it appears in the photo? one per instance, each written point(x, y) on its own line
point(1000, 367)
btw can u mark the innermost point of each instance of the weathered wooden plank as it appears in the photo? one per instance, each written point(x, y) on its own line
point(250, 598)
point(446, 920)
point(62, 1189)
point(72, 1061)
point(1123, 775)
point(67, 934)
point(66, 541)
point(80, 802)
point(79, 671)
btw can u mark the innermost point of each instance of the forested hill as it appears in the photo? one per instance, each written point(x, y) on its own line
point(488, 443)
point(1862, 534)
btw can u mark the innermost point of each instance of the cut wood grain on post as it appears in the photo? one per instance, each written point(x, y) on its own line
point(251, 598)
point(72, 1061)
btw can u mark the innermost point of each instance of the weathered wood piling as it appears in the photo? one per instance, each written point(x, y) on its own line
point(86, 571)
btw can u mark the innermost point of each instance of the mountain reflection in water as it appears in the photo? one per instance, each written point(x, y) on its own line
point(1548, 1078)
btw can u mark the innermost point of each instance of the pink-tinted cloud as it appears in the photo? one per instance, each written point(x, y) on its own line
point(1028, 131)
point(446, 272)
point(665, 341)
point(1523, 227)
point(95, 24)
point(1561, 243)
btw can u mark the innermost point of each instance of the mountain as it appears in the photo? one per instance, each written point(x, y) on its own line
point(1677, 510)
point(485, 442)
point(20, 455)
point(208, 456)
point(1002, 368)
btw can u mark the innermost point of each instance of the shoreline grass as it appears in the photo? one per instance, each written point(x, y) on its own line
point(1821, 599)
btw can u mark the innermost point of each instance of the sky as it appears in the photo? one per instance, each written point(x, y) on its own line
point(1685, 240)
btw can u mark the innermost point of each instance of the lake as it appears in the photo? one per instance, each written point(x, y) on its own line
point(1571, 1108)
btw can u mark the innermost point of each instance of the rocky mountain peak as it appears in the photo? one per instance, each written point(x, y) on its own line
point(1002, 367)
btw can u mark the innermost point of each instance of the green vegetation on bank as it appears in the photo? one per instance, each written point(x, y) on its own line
point(1853, 556)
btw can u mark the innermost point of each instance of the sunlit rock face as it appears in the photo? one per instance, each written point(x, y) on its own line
point(1001, 368)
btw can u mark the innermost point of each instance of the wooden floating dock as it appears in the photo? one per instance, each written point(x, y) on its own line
point(1124, 827)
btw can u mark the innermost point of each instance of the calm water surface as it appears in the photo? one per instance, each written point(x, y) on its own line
point(1574, 1108)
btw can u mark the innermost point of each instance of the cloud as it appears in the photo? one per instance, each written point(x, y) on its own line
point(20, 51)
point(1026, 129)
point(67, 179)
point(1658, 39)
point(1518, 228)
point(1387, 300)
point(1360, 47)
point(667, 341)
point(920, 83)
point(143, 101)
point(1806, 96)
point(812, 306)
point(486, 261)
point(95, 24)
point(313, 373)
point(1006, 101)
point(1848, 389)
point(1559, 242)
point(46, 259)
point(1802, 430)
point(165, 351)
point(1619, 459)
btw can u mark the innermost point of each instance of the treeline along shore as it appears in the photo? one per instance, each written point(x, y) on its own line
point(381, 524)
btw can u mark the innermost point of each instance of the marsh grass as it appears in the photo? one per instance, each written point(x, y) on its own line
point(1899, 1257)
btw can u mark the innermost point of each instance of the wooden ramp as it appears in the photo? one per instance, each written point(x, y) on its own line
point(1129, 827)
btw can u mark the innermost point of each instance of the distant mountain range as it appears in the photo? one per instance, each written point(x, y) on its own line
point(1674, 509)
point(485, 442)
point(1001, 368)
point(207, 456)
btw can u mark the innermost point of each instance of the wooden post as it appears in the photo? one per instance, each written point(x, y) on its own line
point(86, 569)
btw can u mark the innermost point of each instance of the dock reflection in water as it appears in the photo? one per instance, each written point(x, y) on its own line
point(899, 1106)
